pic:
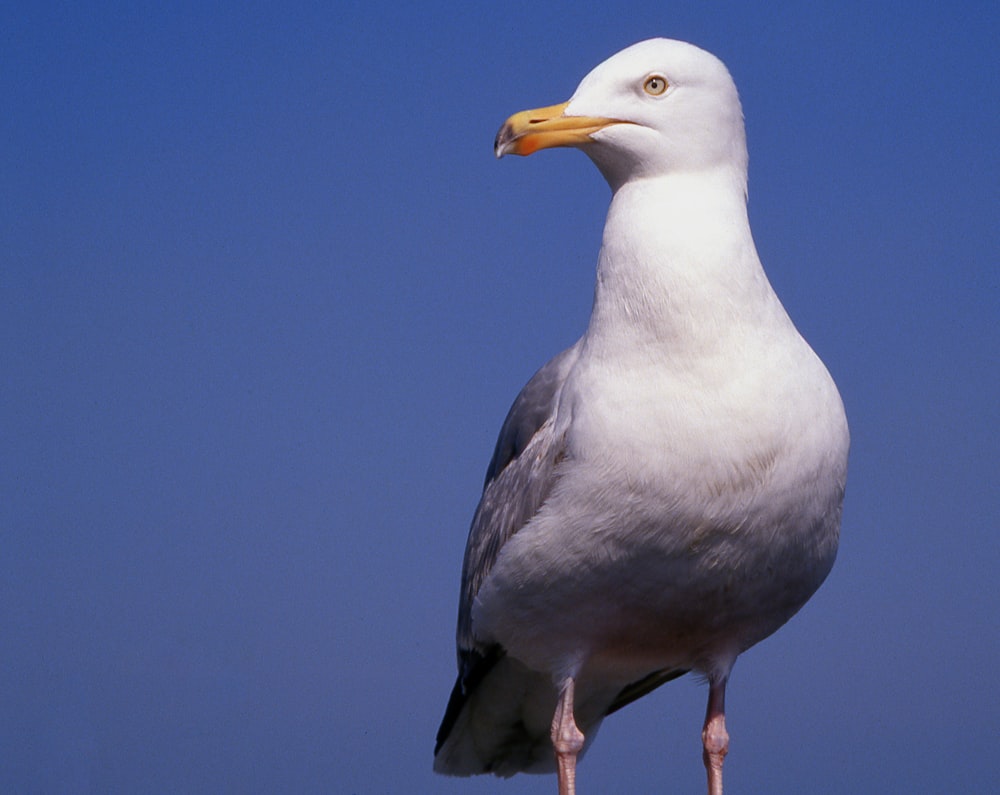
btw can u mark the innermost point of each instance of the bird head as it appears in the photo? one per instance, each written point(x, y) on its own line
point(658, 107)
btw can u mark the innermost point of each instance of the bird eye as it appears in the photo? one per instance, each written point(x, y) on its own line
point(655, 85)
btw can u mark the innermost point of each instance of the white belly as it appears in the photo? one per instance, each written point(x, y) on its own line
point(674, 533)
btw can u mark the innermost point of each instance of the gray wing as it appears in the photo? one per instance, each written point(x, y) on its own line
point(518, 481)
point(485, 726)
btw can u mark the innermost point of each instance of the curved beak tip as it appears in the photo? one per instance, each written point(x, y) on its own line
point(506, 140)
point(530, 130)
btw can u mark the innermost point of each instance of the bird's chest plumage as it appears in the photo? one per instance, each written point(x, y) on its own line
point(684, 512)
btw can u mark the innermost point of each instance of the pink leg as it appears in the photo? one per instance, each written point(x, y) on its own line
point(714, 736)
point(567, 739)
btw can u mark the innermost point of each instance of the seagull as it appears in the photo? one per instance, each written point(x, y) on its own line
point(666, 492)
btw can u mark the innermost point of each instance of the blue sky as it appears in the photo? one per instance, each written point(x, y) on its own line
point(266, 296)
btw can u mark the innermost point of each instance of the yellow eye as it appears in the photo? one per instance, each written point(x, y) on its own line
point(655, 85)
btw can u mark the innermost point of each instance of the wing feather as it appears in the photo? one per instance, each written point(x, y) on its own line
point(488, 726)
point(519, 478)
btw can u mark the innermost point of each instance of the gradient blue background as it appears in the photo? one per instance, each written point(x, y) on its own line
point(265, 298)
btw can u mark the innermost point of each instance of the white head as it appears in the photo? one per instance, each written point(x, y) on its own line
point(658, 107)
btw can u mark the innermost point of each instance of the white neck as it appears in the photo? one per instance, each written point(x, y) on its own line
point(678, 270)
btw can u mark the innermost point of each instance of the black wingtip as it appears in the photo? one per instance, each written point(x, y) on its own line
point(474, 668)
point(640, 688)
point(455, 703)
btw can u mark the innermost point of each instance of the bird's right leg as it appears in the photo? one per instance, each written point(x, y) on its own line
point(714, 736)
point(566, 738)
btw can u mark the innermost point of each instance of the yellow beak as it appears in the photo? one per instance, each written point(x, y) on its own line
point(531, 130)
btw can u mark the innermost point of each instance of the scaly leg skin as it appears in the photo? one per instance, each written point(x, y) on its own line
point(567, 739)
point(714, 736)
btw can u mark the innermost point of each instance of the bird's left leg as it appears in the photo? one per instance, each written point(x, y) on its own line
point(566, 738)
point(714, 736)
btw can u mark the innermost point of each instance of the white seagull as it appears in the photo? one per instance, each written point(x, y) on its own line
point(667, 492)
